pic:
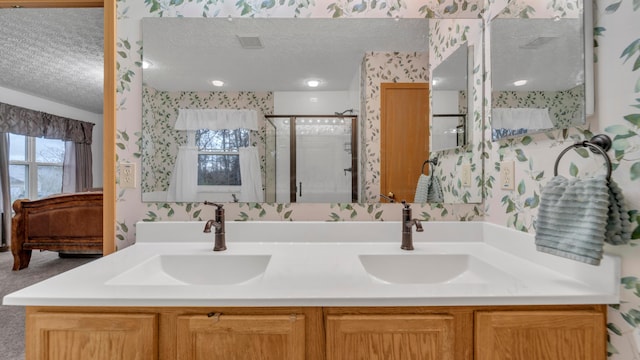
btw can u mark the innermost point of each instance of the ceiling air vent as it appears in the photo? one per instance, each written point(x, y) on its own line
point(250, 42)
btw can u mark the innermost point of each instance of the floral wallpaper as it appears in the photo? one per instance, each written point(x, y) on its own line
point(447, 35)
point(617, 87)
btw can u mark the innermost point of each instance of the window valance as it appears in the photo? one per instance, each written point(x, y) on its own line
point(216, 119)
point(23, 121)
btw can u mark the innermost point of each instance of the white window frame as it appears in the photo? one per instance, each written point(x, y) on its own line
point(229, 189)
point(32, 167)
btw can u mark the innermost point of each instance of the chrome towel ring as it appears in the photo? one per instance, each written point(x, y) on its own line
point(599, 144)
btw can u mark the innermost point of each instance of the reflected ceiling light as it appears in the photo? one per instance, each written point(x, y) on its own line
point(146, 64)
point(520, 82)
point(313, 83)
point(218, 83)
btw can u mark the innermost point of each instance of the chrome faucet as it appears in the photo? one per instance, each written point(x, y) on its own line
point(407, 227)
point(218, 223)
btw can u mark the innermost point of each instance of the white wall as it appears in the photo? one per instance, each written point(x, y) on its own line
point(444, 102)
point(16, 98)
point(312, 102)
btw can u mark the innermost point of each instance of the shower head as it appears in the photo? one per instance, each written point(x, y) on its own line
point(344, 112)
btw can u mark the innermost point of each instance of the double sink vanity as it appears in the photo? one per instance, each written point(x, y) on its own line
point(322, 290)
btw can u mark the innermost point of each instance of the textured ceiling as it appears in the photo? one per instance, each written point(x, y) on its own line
point(187, 53)
point(557, 64)
point(55, 54)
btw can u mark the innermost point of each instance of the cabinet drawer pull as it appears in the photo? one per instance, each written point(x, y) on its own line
point(215, 316)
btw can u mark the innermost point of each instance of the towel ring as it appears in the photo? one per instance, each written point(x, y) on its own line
point(598, 144)
point(433, 161)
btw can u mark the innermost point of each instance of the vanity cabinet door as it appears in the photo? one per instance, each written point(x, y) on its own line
point(391, 337)
point(241, 337)
point(548, 335)
point(80, 336)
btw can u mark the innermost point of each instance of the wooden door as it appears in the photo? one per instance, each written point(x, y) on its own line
point(390, 337)
point(241, 337)
point(71, 336)
point(540, 335)
point(404, 137)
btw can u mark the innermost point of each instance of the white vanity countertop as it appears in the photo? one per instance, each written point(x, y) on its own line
point(318, 264)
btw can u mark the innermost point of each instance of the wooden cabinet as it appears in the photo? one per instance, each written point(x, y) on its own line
point(241, 337)
point(316, 333)
point(540, 335)
point(81, 336)
point(388, 337)
point(393, 333)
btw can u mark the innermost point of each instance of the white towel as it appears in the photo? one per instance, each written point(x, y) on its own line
point(250, 175)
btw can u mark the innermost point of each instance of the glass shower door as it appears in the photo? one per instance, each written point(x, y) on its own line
point(323, 161)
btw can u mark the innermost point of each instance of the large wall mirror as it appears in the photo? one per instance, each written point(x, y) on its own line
point(537, 73)
point(318, 144)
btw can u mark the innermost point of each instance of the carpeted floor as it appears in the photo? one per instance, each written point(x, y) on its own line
point(43, 265)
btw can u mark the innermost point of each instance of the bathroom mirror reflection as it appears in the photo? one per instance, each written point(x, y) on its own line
point(450, 102)
point(265, 65)
point(537, 73)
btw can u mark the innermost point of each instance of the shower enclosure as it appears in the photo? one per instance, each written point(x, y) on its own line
point(311, 158)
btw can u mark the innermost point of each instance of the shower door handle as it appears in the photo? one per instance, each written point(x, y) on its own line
point(300, 189)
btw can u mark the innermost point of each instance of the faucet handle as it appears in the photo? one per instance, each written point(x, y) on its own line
point(219, 206)
point(404, 203)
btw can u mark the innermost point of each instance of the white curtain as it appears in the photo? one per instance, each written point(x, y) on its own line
point(250, 175)
point(520, 118)
point(184, 179)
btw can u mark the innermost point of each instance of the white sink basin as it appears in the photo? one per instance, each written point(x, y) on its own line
point(431, 269)
point(210, 269)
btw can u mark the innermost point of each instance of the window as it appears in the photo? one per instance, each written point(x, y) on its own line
point(35, 166)
point(218, 158)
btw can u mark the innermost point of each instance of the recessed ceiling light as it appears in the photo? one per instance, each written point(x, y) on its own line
point(313, 83)
point(520, 82)
point(218, 83)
